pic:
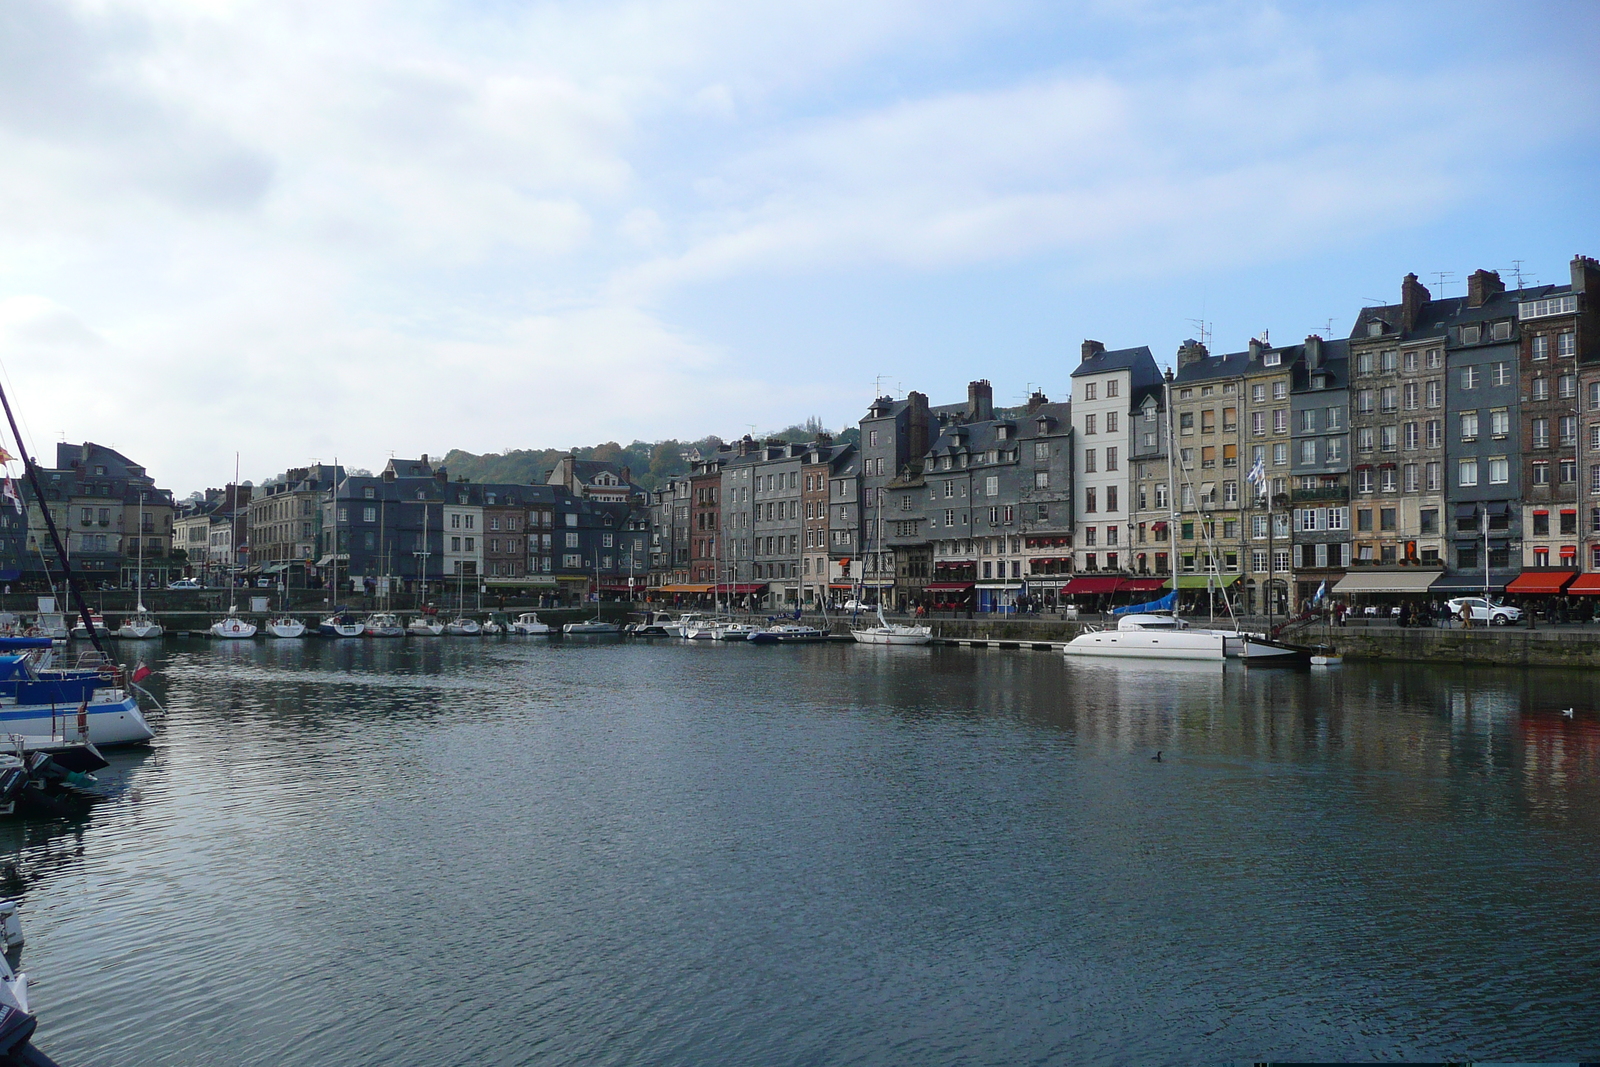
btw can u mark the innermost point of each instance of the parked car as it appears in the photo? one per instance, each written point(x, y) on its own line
point(857, 605)
point(185, 583)
point(264, 583)
point(1481, 610)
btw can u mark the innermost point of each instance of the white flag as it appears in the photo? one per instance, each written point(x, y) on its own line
point(1258, 477)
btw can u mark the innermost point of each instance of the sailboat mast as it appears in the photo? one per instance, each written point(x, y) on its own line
point(73, 589)
point(1172, 503)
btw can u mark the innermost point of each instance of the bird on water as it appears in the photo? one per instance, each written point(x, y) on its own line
point(1157, 756)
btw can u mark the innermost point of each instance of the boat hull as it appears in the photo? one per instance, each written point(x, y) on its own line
point(339, 629)
point(1134, 644)
point(287, 628)
point(463, 628)
point(1259, 652)
point(233, 629)
point(143, 632)
point(111, 722)
point(901, 635)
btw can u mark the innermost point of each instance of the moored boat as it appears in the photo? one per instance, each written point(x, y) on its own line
point(528, 625)
point(286, 626)
point(425, 626)
point(1151, 636)
point(39, 700)
point(81, 632)
point(232, 627)
point(590, 628)
point(339, 624)
point(382, 624)
point(733, 631)
point(140, 626)
point(1266, 652)
point(463, 627)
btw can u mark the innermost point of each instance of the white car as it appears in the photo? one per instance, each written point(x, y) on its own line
point(857, 605)
point(1481, 610)
point(185, 583)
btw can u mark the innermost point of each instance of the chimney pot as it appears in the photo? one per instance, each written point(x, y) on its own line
point(1092, 349)
point(1483, 284)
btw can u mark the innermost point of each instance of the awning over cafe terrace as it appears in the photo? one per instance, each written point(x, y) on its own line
point(1541, 583)
point(684, 588)
point(1386, 582)
point(741, 588)
point(1202, 581)
point(1100, 584)
point(1586, 585)
point(949, 587)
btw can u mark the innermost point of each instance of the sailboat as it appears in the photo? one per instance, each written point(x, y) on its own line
point(141, 625)
point(283, 624)
point(1152, 634)
point(887, 633)
point(461, 625)
point(338, 622)
point(594, 626)
point(231, 626)
point(384, 623)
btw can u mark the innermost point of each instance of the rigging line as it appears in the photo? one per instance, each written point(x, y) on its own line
point(5, 374)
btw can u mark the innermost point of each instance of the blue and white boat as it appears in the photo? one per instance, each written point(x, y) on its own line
point(39, 700)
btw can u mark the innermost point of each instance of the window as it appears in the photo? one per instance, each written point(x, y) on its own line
point(1258, 393)
point(1111, 459)
point(1364, 401)
point(1412, 437)
point(1111, 498)
point(1280, 420)
point(1364, 520)
point(1556, 305)
point(1335, 449)
point(1089, 389)
point(1413, 482)
point(1569, 471)
point(1469, 334)
point(1388, 361)
point(1541, 472)
point(1435, 392)
point(1041, 450)
point(1111, 422)
point(1111, 388)
point(1089, 500)
point(1434, 476)
point(1469, 425)
point(1567, 344)
point(1500, 374)
point(1186, 422)
point(991, 485)
point(1501, 331)
point(1541, 387)
point(1387, 398)
point(1230, 419)
point(1567, 386)
point(369, 514)
point(1541, 528)
point(1467, 472)
point(1386, 480)
point(1541, 433)
point(1089, 461)
point(1230, 492)
point(1230, 455)
point(1280, 454)
point(1569, 522)
point(1364, 480)
point(1386, 437)
point(1499, 470)
point(572, 540)
point(1258, 423)
point(1435, 358)
point(1386, 519)
point(1434, 432)
point(1364, 363)
point(1308, 453)
point(1499, 422)
point(1041, 479)
point(1308, 421)
point(1280, 390)
point(1208, 456)
point(1365, 439)
point(1539, 347)
point(1410, 396)
point(1569, 430)
point(1469, 377)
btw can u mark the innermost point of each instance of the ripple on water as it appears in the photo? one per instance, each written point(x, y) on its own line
point(460, 852)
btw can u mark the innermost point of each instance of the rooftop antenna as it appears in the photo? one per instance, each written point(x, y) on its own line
point(1516, 269)
point(1443, 278)
point(1204, 329)
point(1327, 330)
point(877, 386)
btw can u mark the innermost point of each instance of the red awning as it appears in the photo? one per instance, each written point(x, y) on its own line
point(740, 589)
point(1541, 582)
point(1142, 585)
point(1569, 551)
point(948, 587)
point(1587, 584)
point(1092, 585)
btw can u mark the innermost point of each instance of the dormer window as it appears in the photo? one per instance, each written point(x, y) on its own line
point(370, 493)
point(1469, 334)
point(1272, 359)
point(1375, 328)
point(1319, 381)
point(1000, 432)
point(1501, 331)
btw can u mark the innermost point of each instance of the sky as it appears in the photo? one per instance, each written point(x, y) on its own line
point(300, 230)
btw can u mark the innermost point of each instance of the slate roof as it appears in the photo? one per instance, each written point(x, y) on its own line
point(1231, 365)
point(1138, 360)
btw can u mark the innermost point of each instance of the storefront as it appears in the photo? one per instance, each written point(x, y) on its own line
point(950, 596)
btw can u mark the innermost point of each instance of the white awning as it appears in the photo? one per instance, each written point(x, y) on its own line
point(1386, 582)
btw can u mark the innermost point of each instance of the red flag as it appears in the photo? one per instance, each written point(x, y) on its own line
point(140, 673)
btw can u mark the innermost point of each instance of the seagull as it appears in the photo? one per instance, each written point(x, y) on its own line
point(1567, 712)
point(1157, 757)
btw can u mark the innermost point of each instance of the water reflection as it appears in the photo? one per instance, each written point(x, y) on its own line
point(686, 853)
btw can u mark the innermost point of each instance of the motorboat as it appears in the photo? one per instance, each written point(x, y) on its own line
point(81, 632)
point(788, 633)
point(52, 624)
point(286, 626)
point(17, 1023)
point(654, 624)
point(425, 626)
point(734, 631)
point(463, 627)
point(494, 625)
point(232, 627)
point(382, 624)
point(528, 625)
point(1151, 635)
point(140, 626)
point(696, 627)
point(93, 700)
point(339, 624)
point(590, 628)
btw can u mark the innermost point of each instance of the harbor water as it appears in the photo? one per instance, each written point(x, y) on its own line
point(456, 851)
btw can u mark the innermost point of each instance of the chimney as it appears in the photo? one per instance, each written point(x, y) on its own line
point(1481, 285)
point(388, 473)
point(746, 445)
point(1585, 275)
point(1037, 401)
point(918, 422)
point(1313, 352)
point(1413, 294)
point(441, 475)
point(980, 400)
point(627, 476)
point(1092, 349)
point(1191, 351)
point(1256, 348)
